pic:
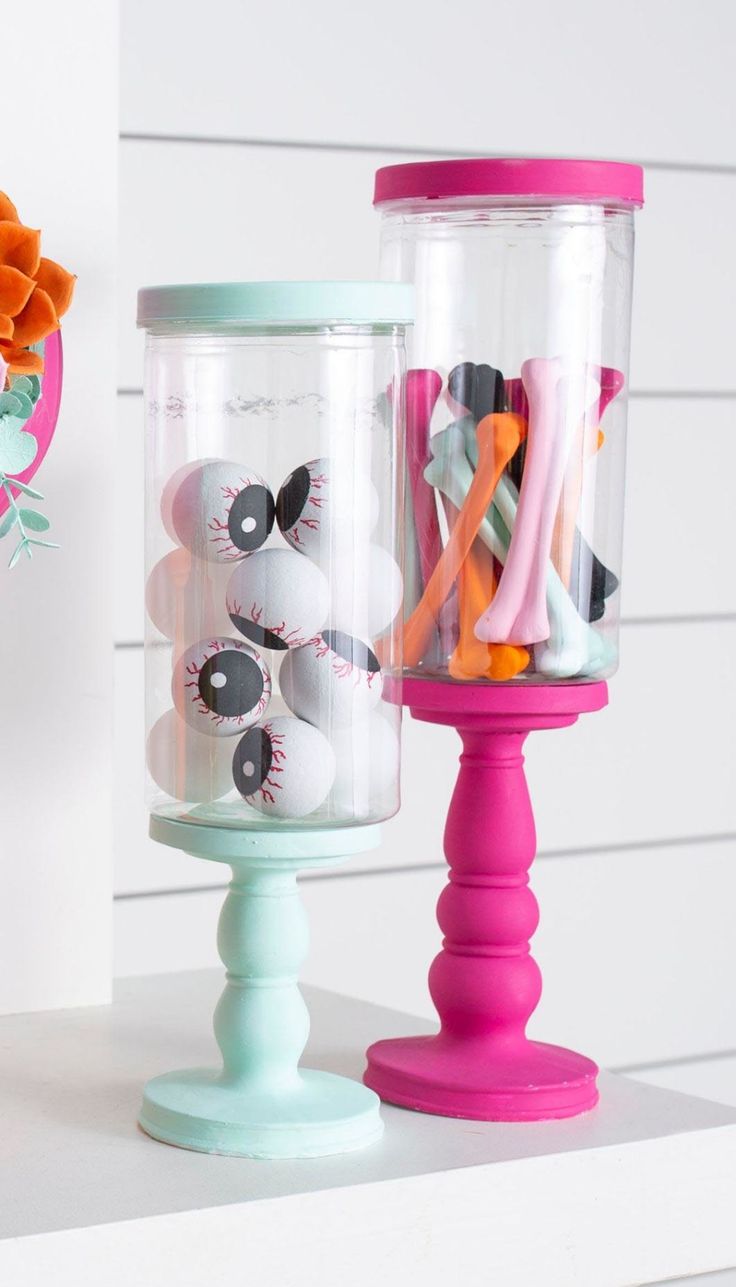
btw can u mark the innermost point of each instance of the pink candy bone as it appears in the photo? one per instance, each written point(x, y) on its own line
point(422, 391)
point(423, 388)
point(559, 399)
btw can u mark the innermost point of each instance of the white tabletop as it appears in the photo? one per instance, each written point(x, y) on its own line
point(640, 1189)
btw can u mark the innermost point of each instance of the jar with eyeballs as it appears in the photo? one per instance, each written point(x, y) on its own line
point(516, 412)
point(274, 590)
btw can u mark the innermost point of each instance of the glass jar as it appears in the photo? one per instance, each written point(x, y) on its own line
point(274, 491)
point(516, 412)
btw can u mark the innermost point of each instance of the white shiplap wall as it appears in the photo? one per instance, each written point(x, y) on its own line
point(248, 149)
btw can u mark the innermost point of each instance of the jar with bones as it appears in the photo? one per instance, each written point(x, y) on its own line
point(274, 498)
point(516, 412)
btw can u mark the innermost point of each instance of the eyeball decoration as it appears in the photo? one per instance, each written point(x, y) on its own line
point(221, 511)
point(284, 767)
point(316, 508)
point(185, 764)
point(170, 489)
point(332, 680)
point(367, 759)
point(366, 595)
point(277, 599)
point(186, 596)
point(220, 686)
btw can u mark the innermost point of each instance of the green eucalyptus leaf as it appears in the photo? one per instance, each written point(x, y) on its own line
point(34, 393)
point(26, 406)
point(9, 520)
point(23, 487)
point(16, 554)
point(48, 545)
point(36, 522)
point(17, 449)
point(10, 404)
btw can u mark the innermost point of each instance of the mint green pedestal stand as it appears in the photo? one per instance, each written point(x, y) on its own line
point(261, 1103)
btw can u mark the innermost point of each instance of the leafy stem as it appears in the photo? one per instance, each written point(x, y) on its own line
point(23, 519)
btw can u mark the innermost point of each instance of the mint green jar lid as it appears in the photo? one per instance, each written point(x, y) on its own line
point(274, 303)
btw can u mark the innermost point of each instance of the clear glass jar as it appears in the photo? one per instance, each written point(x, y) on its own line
point(274, 492)
point(516, 412)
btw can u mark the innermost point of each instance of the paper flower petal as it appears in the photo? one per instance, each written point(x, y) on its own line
point(37, 320)
point(15, 290)
point(7, 209)
point(57, 282)
point(20, 247)
point(6, 327)
point(21, 361)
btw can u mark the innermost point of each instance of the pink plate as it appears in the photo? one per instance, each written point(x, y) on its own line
point(42, 423)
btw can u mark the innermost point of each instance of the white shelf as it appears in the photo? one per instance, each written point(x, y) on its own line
point(639, 1190)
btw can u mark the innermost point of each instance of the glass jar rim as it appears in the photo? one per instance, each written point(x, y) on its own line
point(542, 178)
point(298, 302)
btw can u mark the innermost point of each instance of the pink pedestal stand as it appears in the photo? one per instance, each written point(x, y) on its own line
point(484, 983)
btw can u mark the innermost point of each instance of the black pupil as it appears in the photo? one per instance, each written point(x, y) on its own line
point(259, 635)
point(251, 517)
point(292, 498)
point(252, 760)
point(480, 388)
point(231, 683)
point(352, 650)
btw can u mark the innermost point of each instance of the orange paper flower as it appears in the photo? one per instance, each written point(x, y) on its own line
point(34, 292)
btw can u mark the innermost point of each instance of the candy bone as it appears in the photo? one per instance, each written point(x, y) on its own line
point(412, 569)
point(473, 659)
point(518, 612)
point(591, 582)
point(422, 391)
point(476, 582)
point(423, 388)
point(602, 583)
point(475, 388)
point(586, 442)
point(498, 437)
point(573, 647)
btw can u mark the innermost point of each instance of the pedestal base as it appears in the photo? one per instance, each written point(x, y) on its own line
point(320, 1114)
point(484, 982)
point(261, 1103)
point(435, 1075)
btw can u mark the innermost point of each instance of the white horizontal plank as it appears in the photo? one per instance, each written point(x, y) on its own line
point(435, 1200)
point(658, 764)
point(571, 78)
point(671, 569)
point(246, 216)
point(677, 535)
point(617, 983)
point(708, 1078)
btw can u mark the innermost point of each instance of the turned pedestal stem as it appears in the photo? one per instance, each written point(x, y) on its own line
point(484, 983)
point(261, 1102)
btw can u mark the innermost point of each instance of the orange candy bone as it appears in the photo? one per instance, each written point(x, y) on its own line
point(498, 437)
point(473, 659)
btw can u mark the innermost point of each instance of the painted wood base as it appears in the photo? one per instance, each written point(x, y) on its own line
point(261, 1104)
point(437, 1075)
point(317, 1115)
point(485, 983)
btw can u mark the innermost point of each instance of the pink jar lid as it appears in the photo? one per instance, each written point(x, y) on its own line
point(538, 177)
